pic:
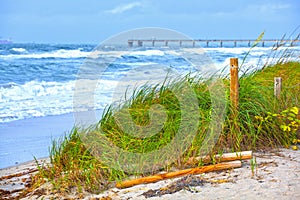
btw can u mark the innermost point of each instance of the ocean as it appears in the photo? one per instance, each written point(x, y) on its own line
point(38, 82)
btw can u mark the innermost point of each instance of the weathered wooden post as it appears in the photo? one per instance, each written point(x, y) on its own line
point(277, 86)
point(234, 99)
point(234, 83)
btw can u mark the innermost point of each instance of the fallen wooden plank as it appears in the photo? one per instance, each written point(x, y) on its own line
point(243, 155)
point(198, 170)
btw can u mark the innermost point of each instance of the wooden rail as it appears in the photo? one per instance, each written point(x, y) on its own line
point(166, 42)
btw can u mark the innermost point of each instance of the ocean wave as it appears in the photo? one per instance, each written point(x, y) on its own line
point(150, 52)
point(253, 51)
point(18, 50)
point(36, 99)
point(41, 98)
point(61, 53)
point(7, 85)
point(32, 97)
point(138, 63)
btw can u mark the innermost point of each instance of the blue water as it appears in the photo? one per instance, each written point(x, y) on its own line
point(39, 80)
point(21, 63)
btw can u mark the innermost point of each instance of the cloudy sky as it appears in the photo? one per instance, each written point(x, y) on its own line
point(92, 21)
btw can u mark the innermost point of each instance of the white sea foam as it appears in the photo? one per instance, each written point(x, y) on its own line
point(150, 52)
point(254, 51)
point(258, 56)
point(138, 63)
point(21, 50)
point(35, 99)
point(62, 53)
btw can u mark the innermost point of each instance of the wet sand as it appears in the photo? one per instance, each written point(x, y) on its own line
point(23, 139)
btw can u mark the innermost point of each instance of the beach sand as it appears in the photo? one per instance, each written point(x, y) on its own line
point(14, 180)
point(276, 176)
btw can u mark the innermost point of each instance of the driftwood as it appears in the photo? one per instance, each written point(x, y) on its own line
point(18, 174)
point(243, 155)
point(198, 170)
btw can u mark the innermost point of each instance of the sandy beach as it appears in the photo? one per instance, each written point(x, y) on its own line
point(276, 176)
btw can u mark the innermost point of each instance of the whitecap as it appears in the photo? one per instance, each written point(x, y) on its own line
point(20, 50)
point(61, 53)
point(150, 52)
point(41, 98)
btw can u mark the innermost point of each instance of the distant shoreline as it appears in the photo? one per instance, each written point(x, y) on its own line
point(6, 41)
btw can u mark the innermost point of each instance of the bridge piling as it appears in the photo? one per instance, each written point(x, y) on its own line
point(192, 43)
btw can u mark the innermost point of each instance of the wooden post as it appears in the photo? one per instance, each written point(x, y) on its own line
point(234, 97)
point(277, 86)
point(234, 83)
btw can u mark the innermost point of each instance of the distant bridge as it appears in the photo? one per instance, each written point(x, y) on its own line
point(166, 42)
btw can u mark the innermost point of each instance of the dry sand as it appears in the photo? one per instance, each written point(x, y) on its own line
point(277, 176)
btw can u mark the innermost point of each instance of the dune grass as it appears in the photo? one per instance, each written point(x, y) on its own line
point(74, 166)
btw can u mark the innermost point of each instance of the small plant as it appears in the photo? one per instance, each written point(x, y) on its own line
point(288, 122)
point(253, 165)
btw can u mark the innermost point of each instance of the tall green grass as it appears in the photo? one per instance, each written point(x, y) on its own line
point(74, 166)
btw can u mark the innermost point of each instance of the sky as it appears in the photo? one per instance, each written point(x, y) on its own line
point(92, 21)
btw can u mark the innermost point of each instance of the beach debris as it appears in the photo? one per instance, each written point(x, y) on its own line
point(187, 183)
point(12, 186)
point(224, 161)
point(16, 180)
point(184, 183)
point(190, 171)
point(29, 171)
point(243, 155)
